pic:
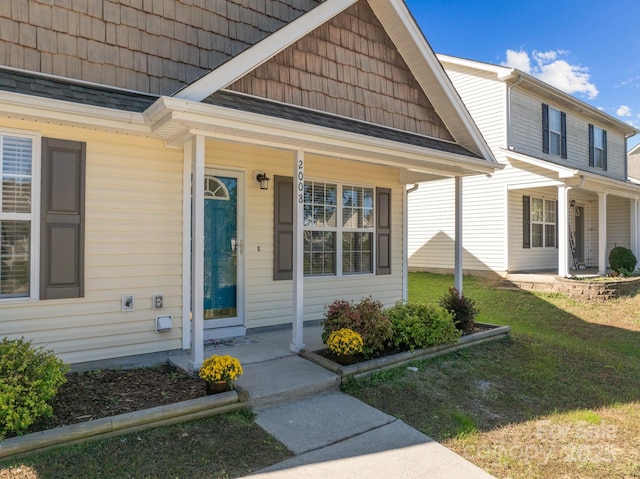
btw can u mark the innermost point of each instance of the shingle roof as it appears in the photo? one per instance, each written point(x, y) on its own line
point(278, 110)
point(58, 89)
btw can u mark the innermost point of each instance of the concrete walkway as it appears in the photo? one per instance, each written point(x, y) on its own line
point(331, 434)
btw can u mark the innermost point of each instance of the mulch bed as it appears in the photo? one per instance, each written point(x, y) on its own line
point(104, 393)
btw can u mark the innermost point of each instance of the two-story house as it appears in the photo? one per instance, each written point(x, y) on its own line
point(562, 200)
point(176, 171)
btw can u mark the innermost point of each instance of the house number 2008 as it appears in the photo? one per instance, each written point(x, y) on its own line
point(300, 181)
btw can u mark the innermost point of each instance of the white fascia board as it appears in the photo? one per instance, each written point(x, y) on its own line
point(562, 171)
point(635, 150)
point(610, 186)
point(500, 71)
point(418, 41)
point(28, 107)
point(212, 120)
point(253, 57)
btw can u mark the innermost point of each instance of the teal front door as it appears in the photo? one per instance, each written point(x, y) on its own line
point(222, 250)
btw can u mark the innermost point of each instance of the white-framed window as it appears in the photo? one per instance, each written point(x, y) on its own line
point(338, 229)
point(543, 223)
point(555, 131)
point(598, 147)
point(18, 212)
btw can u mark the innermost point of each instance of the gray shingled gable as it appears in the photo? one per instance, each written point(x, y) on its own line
point(278, 110)
point(57, 89)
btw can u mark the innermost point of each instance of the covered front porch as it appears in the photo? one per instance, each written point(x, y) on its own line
point(568, 224)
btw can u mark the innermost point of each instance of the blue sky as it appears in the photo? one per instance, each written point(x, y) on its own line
point(587, 48)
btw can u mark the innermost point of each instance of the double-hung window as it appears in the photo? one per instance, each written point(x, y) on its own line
point(338, 229)
point(597, 147)
point(554, 131)
point(17, 214)
point(543, 223)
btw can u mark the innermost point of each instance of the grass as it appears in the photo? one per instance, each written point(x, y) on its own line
point(220, 447)
point(560, 399)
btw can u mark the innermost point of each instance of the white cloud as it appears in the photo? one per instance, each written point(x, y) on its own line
point(550, 68)
point(624, 111)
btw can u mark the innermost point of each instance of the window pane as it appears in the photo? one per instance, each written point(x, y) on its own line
point(15, 174)
point(357, 207)
point(554, 143)
point(319, 252)
point(549, 211)
point(554, 120)
point(550, 236)
point(357, 253)
point(14, 258)
point(536, 235)
point(597, 138)
point(537, 210)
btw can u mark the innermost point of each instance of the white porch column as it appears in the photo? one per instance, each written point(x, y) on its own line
point(197, 255)
point(297, 340)
point(563, 231)
point(633, 207)
point(602, 233)
point(458, 236)
point(186, 244)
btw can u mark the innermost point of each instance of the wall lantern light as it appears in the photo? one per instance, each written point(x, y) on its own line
point(263, 179)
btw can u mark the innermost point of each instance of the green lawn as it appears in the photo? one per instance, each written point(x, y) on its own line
point(560, 399)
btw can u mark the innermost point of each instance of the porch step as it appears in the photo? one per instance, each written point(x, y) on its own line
point(285, 380)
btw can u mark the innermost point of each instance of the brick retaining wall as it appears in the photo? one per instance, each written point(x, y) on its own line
point(583, 290)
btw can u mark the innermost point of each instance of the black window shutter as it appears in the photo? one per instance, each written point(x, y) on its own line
point(604, 150)
point(563, 133)
point(526, 222)
point(283, 228)
point(383, 231)
point(545, 128)
point(62, 219)
point(591, 143)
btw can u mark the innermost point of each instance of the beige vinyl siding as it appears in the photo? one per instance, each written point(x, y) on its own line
point(526, 113)
point(269, 302)
point(133, 246)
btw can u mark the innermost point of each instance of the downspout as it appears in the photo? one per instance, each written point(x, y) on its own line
point(405, 241)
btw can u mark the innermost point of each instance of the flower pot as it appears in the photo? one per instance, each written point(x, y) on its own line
point(346, 359)
point(217, 387)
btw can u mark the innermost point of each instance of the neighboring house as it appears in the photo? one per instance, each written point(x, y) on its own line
point(148, 151)
point(563, 199)
point(634, 164)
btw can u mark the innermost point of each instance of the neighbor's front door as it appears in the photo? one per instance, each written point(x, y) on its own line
point(223, 249)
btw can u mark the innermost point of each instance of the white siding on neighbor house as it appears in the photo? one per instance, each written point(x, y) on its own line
point(133, 245)
point(485, 99)
point(269, 302)
point(526, 138)
point(618, 223)
point(528, 259)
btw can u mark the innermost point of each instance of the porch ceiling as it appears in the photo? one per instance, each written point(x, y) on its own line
point(176, 121)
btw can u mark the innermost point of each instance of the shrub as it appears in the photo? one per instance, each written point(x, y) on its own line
point(420, 325)
point(29, 378)
point(366, 318)
point(463, 309)
point(622, 260)
point(220, 368)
